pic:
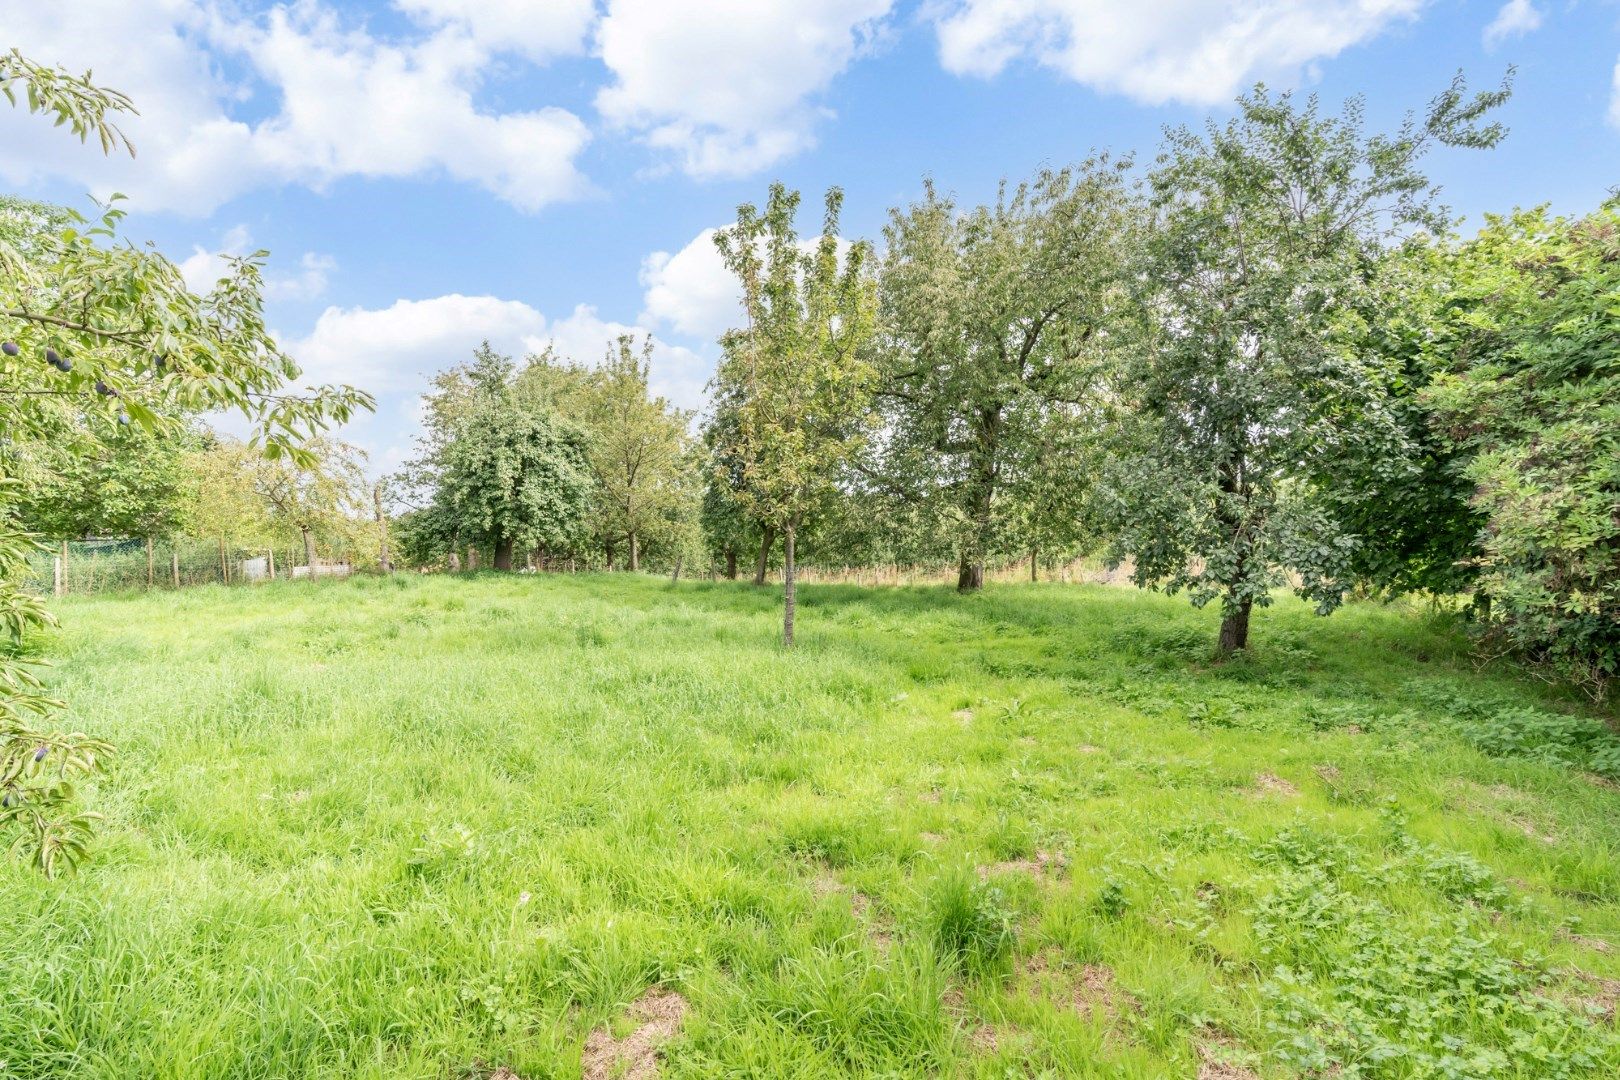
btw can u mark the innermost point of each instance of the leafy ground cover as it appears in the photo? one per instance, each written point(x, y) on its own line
point(524, 826)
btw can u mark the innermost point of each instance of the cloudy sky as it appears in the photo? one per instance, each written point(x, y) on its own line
point(430, 173)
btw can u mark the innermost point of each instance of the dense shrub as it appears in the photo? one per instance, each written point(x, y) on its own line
point(1526, 348)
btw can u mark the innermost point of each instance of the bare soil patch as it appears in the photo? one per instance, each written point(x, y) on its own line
point(1216, 1061)
point(1272, 784)
point(1037, 865)
point(658, 1014)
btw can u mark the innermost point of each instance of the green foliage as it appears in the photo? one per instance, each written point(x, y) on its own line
point(76, 101)
point(638, 446)
point(995, 325)
point(969, 921)
point(503, 470)
point(796, 380)
point(1248, 393)
point(101, 335)
point(127, 482)
point(1526, 348)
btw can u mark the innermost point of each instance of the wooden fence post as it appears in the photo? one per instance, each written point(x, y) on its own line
point(174, 565)
point(61, 570)
point(150, 575)
point(270, 560)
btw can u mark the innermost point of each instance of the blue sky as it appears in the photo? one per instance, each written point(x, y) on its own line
point(428, 173)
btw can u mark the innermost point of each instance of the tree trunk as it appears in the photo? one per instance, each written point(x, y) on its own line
point(384, 562)
point(151, 570)
point(270, 562)
point(635, 553)
point(982, 475)
point(455, 562)
point(608, 547)
point(969, 573)
point(676, 576)
point(731, 564)
point(766, 539)
point(1235, 628)
point(472, 558)
point(503, 553)
point(224, 569)
point(1034, 564)
point(789, 600)
point(309, 549)
point(174, 566)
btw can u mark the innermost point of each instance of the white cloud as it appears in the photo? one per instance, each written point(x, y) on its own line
point(329, 102)
point(538, 29)
point(726, 86)
point(204, 267)
point(1200, 52)
point(308, 284)
point(690, 291)
point(395, 351)
point(400, 346)
point(678, 373)
point(1614, 96)
point(1516, 18)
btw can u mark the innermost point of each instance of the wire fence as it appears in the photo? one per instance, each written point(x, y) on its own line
point(79, 567)
point(82, 567)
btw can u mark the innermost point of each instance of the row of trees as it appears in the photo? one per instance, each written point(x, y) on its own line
point(1177, 367)
point(187, 482)
point(551, 460)
point(1263, 361)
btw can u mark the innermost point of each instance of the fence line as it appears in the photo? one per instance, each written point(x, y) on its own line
point(92, 566)
point(110, 565)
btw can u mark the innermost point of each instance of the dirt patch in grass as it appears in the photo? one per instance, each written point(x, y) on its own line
point(480, 1071)
point(1528, 827)
point(964, 716)
point(1604, 997)
point(1272, 784)
point(982, 1037)
point(932, 837)
point(1092, 990)
point(1098, 996)
point(1488, 801)
point(1597, 945)
point(1037, 865)
point(658, 1014)
point(1217, 1060)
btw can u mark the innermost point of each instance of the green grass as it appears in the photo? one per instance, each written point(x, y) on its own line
point(431, 827)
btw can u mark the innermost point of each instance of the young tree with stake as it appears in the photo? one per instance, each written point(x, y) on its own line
point(796, 373)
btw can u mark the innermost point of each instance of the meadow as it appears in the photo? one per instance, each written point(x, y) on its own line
point(499, 826)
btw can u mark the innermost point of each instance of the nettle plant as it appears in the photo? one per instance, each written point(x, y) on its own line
point(98, 334)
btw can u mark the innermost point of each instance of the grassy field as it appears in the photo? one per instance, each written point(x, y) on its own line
point(524, 826)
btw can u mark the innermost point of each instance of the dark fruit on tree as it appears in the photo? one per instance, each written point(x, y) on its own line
point(104, 390)
point(123, 418)
point(53, 358)
point(10, 348)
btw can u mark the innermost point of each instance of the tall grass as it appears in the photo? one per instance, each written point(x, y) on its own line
point(431, 827)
